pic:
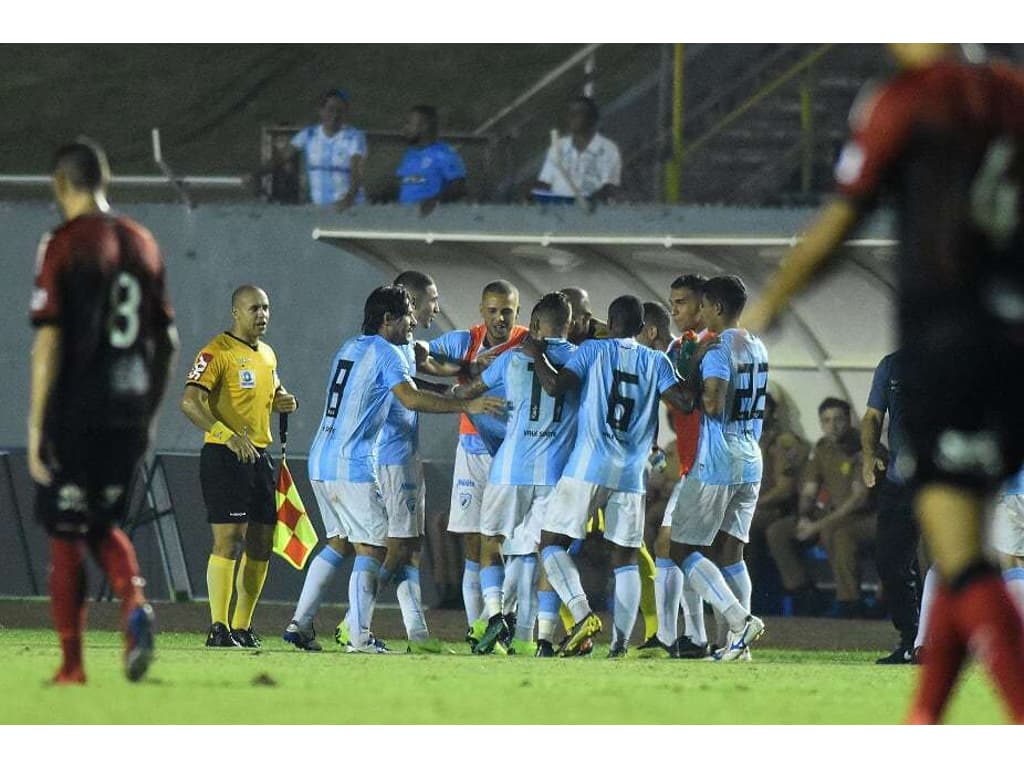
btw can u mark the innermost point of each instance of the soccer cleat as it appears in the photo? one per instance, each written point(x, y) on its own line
point(738, 642)
point(899, 656)
point(495, 631)
point(474, 633)
point(247, 638)
point(584, 629)
point(544, 650)
point(652, 648)
point(618, 650)
point(685, 648)
point(341, 633)
point(304, 641)
point(430, 645)
point(140, 642)
point(510, 622)
point(522, 647)
point(373, 646)
point(220, 636)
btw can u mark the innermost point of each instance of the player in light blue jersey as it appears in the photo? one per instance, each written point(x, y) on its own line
point(367, 371)
point(717, 499)
point(539, 436)
point(620, 382)
point(1007, 536)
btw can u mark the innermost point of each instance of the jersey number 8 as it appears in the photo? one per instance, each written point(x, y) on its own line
point(123, 320)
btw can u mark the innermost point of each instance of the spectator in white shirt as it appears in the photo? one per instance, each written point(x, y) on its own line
point(584, 163)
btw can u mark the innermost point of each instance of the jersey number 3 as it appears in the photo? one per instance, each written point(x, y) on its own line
point(338, 382)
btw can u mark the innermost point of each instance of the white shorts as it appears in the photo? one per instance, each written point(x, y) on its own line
point(1007, 531)
point(702, 511)
point(515, 512)
point(404, 494)
point(354, 511)
point(673, 499)
point(572, 502)
point(468, 482)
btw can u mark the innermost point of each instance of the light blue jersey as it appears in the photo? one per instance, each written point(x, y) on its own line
point(618, 413)
point(363, 373)
point(399, 439)
point(541, 429)
point(1015, 485)
point(727, 451)
point(424, 171)
point(329, 161)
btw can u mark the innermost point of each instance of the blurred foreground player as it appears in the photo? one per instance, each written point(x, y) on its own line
point(947, 138)
point(104, 343)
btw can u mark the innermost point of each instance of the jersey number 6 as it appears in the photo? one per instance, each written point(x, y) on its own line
point(620, 407)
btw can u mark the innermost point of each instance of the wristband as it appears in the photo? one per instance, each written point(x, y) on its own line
point(220, 431)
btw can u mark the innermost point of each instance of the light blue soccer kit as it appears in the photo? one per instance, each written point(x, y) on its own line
point(329, 161)
point(622, 382)
point(1007, 530)
point(539, 436)
point(720, 493)
point(343, 459)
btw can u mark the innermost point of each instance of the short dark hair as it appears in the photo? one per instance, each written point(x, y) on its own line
point(554, 308)
point(657, 315)
point(694, 281)
point(429, 114)
point(334, 93)
point(834, 402)
point(415, 281)
point(727, 290)
point(500, 287)
point(626, 313)
point(83, 163)
point(593, 113)
point(391, 300)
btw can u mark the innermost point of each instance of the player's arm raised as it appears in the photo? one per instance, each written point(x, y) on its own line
point(195, 404)
point(427, 402)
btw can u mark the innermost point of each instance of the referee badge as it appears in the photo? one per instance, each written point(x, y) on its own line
point(246, 379)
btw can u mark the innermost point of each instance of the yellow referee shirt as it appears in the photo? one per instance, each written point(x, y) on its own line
point(241, 380)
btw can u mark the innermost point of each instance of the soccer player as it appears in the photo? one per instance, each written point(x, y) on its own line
point(717, 499)
point(620, 382)
point(400, 475)
point(946, 137)
point(466, 354)
point(584, 325)
point(230, 392)
point(104, 344)
point(1008, 536)
point(540, 432)
point(365, 373)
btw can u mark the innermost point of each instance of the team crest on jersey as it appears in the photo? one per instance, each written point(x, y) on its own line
point(465, 500)
point(246, 378)
point(199, 367)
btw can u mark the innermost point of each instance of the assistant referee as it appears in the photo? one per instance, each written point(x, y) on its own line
point(229, 394)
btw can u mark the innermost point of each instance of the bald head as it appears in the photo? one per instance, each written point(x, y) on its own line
point(579, 301)
point(250, 313)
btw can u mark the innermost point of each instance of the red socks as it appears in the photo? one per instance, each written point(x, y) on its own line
point(67, 604)
point(116, 556)
point(982, 618)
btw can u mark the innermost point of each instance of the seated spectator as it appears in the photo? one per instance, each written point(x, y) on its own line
point(334, 153)
point(584, 163)
point(431, 171)
point(785, 454)
point(841, 524)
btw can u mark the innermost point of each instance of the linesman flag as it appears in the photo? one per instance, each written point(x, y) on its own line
point(294, 535)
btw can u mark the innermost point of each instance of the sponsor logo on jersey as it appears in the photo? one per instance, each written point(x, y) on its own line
point(199, 367)
point(246, 379)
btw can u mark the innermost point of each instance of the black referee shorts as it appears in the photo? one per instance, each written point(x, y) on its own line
point(94, 474)
point(235, 492)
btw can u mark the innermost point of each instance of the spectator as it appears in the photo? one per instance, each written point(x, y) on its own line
point(785, 454)
point(841, 524)
point(431, 171)
point(334, 154)
point(584, 163)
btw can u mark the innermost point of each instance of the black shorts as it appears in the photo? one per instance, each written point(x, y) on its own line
point(93, 470)
point(235, 492)
point(964, 408)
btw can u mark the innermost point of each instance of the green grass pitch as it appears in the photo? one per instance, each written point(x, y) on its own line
point(189, 684)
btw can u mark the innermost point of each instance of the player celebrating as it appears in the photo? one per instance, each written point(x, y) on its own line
point(947, 138)
point(618, 413)
point(230, 393)
point(104, 344)
point(539, 435)
point(343, 462)
point(717, 499)
point(465, 354)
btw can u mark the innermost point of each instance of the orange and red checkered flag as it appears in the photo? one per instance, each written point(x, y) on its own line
point(294, 535)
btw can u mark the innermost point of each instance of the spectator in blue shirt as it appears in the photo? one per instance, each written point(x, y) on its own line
point(430, 170)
